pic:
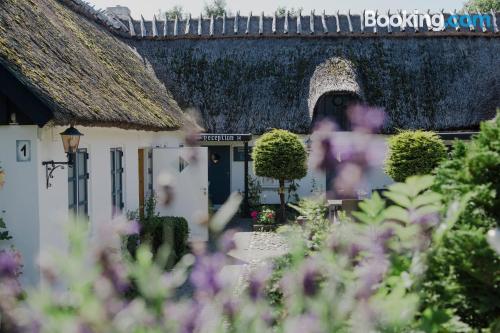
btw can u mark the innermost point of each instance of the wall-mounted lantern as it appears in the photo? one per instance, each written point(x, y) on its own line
point(71, 139)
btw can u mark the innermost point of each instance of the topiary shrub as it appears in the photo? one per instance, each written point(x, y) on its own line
point(413, 153)
point(280, 155)
point(464, 272)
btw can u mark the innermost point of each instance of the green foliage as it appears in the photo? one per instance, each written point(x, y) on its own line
point(292, 11)
point(363, 277)
point(216, 8)
point(413, 153)
point(254, 192)
point(292, 192)
point(279, 154)
point(410, 219)
point(484, 6)
point(160, 233)
point(267, 215)
point(4, 234)
point(464, 273)
point(172, 13)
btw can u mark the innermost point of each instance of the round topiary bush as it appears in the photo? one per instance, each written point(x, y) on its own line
point(413, 153)
point(280, 155)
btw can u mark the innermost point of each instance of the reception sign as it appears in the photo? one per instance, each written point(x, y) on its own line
point(225, 137)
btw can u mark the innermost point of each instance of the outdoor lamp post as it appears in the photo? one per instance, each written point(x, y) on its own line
point(71, 139)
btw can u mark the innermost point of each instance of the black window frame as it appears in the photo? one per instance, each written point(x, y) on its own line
point(117, 170)
point(76, 176)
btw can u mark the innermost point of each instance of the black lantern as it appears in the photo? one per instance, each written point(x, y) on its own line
point(70, 139)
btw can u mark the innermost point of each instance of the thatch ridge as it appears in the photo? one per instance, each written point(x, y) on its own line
point(82, 72)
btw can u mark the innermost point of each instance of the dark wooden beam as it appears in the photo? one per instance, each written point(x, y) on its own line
point(246, 206)
point(23, 98)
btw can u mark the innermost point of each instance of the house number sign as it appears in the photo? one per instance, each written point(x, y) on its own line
point(23, 150)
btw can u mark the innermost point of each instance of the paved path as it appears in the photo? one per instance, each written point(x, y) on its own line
point(252, 249)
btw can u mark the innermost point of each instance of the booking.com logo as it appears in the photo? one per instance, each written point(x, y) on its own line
point(435, 22)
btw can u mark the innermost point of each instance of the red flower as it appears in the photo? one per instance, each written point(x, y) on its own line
point(254, 214)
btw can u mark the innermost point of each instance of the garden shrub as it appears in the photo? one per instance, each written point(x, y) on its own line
point(413, 153)
point(266, 215)
point(4, 233)
point(464, 273)
point(254, 192)
point(159, 231)
point(280, 155)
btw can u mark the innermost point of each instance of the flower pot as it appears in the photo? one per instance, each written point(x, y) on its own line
point(265, 227)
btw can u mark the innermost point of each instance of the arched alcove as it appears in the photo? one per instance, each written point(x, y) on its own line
point(334, 86)
point(333, 106)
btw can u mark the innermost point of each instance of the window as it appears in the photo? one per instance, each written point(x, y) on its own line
point(78, 177)
point(117, 181)
point(150, 172)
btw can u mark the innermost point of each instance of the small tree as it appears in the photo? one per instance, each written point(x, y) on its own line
point(172, 13)
point(413, 153)
point(280, 155)
point(483, 6)
point(216, 8)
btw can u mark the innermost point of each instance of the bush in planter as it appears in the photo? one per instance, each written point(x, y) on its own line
point(464, 273)
point(413, 153)
point(280, 155)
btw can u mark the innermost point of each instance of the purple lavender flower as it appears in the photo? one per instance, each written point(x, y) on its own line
point(348, 180)
point(426, 220)
point(370, 272)
point(366, 119)
point(310, 274)
point(257, 282)
point(206, 274)
point(9, 264)
point(186, 316)
point(227, 242)
point(304, 323)
point(322, 153)
point(114, 271)
point(230, 308)
point(127, 228)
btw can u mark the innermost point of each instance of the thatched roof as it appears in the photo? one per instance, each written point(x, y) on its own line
point(249, 84)
point(80, 71)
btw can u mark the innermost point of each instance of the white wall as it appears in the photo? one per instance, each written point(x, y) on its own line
point(19, 205)
point(37, 216)
point(98, 142)
point(312, 184)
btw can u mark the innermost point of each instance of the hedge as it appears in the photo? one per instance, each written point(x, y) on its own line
point(413, 153)
point(159, 230)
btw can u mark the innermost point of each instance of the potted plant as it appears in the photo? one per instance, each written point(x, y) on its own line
point(264, 220)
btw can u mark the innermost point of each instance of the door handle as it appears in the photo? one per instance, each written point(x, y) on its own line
point(204, 189)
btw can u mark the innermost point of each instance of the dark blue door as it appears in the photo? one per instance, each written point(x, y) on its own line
point(218, 174)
